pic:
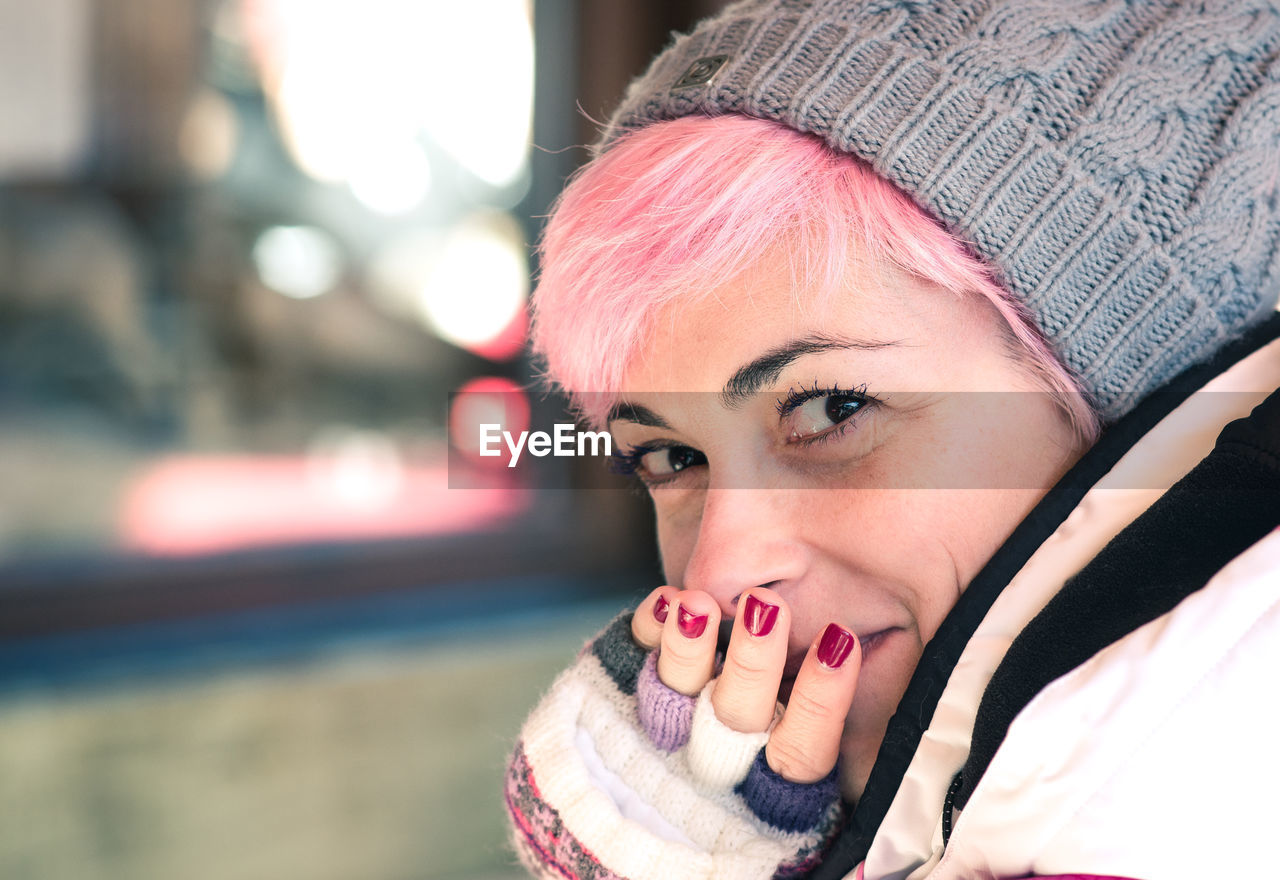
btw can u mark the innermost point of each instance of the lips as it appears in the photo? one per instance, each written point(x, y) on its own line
point(871, 641)
point(795, 659)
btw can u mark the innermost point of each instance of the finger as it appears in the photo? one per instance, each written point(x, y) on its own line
point(687, 657)
point(646, 623)
point(806, 743)
point(747, 692)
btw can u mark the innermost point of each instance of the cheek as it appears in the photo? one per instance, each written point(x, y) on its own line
point(984, 521)
point(954, 534)
point(910, 547)
point(675, 546)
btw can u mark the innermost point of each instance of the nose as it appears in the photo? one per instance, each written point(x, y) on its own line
point(746, 538)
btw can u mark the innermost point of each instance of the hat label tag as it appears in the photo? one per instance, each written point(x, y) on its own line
point(701, 72)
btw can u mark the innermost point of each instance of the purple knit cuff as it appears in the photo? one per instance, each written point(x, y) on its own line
point(788, 806)
point(666, 715)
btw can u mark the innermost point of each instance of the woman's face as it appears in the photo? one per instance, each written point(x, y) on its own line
point(840, 456)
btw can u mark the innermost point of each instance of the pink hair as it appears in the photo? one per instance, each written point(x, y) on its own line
point(677, 208)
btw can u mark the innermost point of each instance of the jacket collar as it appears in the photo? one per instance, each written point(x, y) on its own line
point(1137, 459)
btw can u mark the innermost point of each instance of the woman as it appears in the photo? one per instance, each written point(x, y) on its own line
point(856, 289)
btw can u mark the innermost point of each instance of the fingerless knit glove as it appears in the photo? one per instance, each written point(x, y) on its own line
point(617, 776)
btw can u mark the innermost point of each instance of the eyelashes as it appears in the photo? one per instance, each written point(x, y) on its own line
point(836, 405)
point(632, 462)
point(801, 395)
point(810, 417)
point(627, 463)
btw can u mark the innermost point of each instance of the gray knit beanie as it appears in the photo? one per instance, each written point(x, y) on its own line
point(1117, 161)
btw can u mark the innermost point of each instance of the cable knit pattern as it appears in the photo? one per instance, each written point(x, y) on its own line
point(665, 714)
point(718, 755)
point(1118, 162)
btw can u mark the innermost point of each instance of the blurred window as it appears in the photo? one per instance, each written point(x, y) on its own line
point(247, 250)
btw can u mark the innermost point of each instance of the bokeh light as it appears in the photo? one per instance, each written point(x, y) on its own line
point(479, 282)
point(299, 261)
point(396, 180)
point(357, 468)
point(484, 123)
point(209, 134)
point(487, 400)
point(408, 70)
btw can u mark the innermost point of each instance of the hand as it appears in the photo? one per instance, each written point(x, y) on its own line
point(805, 744)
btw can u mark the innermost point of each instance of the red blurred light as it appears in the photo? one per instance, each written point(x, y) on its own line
point(208, 504)
point(509, 342)
point(487, 400)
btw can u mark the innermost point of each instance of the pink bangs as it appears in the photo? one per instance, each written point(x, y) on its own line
point(679, 208)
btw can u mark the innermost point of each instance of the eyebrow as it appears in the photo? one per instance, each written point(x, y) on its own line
point(634, 412)
point(751, 377)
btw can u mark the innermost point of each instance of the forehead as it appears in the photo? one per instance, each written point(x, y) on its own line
point(698, 342)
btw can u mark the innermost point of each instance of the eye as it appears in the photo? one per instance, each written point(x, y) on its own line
point(819, 414)
point(664, 462)
point(655, 464)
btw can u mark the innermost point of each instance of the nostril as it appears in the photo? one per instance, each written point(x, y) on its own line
point(769, 586)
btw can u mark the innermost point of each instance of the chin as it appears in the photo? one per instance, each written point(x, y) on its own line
point(856, 759)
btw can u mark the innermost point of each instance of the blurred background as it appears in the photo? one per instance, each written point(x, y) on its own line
point(250, 627)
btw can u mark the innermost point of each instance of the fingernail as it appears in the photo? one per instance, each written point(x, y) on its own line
point(691, 625)
point(835, 646)
point(759, 616)
point(660, 610)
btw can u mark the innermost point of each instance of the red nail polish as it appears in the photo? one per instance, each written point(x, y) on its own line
point(759, 616)
point(660, 610)
point(691, 625)
point(835, 646)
